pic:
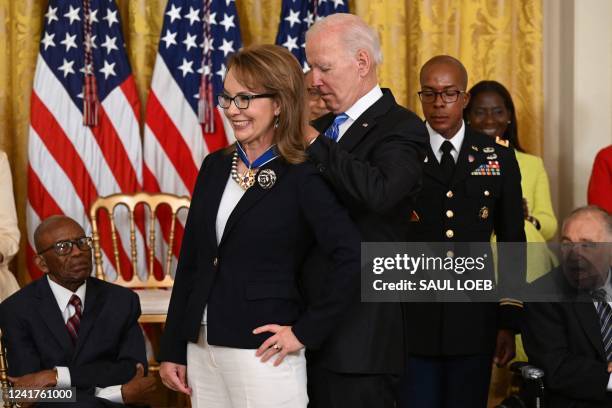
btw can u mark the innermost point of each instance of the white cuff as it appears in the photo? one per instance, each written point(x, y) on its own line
point(63, 377)
point(112, 393)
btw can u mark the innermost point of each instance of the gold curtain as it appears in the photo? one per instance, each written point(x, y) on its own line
point(496, 39)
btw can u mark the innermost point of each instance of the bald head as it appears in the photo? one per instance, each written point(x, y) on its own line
point(52, 223)
point(446, 62)
point(595, 222)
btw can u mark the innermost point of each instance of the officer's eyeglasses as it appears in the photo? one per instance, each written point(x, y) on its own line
point(62, 248)
point(241, 101)
point(448, 96)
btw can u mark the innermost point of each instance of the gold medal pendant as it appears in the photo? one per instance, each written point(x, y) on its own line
point(244, 180)
point(247, 179)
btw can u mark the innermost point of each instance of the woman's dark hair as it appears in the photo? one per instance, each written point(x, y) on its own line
point(511, 133)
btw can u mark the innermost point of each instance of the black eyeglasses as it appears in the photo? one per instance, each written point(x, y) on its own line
point(448, 96)
point(65, 247)
point(241, 101)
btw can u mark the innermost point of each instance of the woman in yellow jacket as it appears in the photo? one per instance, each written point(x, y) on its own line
point(491, 111)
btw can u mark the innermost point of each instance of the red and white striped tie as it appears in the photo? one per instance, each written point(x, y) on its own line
point(74, 322)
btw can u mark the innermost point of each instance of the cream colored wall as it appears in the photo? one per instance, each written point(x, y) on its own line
point(577, 94)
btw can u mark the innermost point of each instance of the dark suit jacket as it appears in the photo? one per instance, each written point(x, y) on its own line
point(376, 170)
point(441, 329)
point(250, 278)
point(564, 339)
point(109, 345)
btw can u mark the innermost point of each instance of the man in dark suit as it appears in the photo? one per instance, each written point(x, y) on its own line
point(567, 339)
point(370, 150)
point(68, 329)
point(471, 188)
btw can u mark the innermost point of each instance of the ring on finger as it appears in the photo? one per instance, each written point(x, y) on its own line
point(276, 347)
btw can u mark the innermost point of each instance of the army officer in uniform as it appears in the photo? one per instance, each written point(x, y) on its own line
point(471, 187)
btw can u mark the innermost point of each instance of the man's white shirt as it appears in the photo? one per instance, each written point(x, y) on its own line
point(436, 140)
point(358, 108)
point(62, 297)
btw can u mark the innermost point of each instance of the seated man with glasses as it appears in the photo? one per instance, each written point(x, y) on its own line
point(571, 339)
point(68, 329)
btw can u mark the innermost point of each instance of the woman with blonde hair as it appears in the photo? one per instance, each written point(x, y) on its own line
point(237, 324)
point(9, 232)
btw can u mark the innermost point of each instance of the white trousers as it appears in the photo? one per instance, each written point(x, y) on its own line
point(225, 377)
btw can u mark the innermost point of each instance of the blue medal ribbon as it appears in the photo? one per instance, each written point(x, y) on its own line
point(262, 160)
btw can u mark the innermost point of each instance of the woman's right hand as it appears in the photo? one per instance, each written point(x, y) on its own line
point(174, 376)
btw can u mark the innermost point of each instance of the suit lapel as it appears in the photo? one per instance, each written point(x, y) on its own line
point(252, 196)
point(219, 177)
point(93, 302)
point(51, 315)
point(366, 121)
point(587, 316)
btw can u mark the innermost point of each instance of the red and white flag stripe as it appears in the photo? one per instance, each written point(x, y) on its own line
point(70, 164)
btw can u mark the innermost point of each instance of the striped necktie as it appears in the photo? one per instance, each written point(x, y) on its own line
point(74, 322)
point(333, 131)
point(605, 319)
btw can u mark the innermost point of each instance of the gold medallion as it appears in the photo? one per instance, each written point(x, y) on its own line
point(247, 179)
point(483, 213)
point(244, 180)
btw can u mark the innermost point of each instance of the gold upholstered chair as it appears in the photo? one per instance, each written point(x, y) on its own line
point(154, 293)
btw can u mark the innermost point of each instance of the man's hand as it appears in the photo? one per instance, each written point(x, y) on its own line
point(610, 367)
point(138, 388)
point(505, 349)
point(40, 379)
point(282, 343)
point(174, 376)
point(310, 134)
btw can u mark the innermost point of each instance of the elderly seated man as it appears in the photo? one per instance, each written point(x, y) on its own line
point(68, 329)
point(571, 339)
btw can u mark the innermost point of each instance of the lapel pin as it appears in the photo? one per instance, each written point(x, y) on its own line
point(426, 159)
point(488, 150)
point(492, 157)
point(470, 158)
point(364, 124)
point(474, 148)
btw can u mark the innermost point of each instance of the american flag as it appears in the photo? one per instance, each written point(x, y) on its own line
point(296, 18)
point(71, 164)
point(197, 37)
